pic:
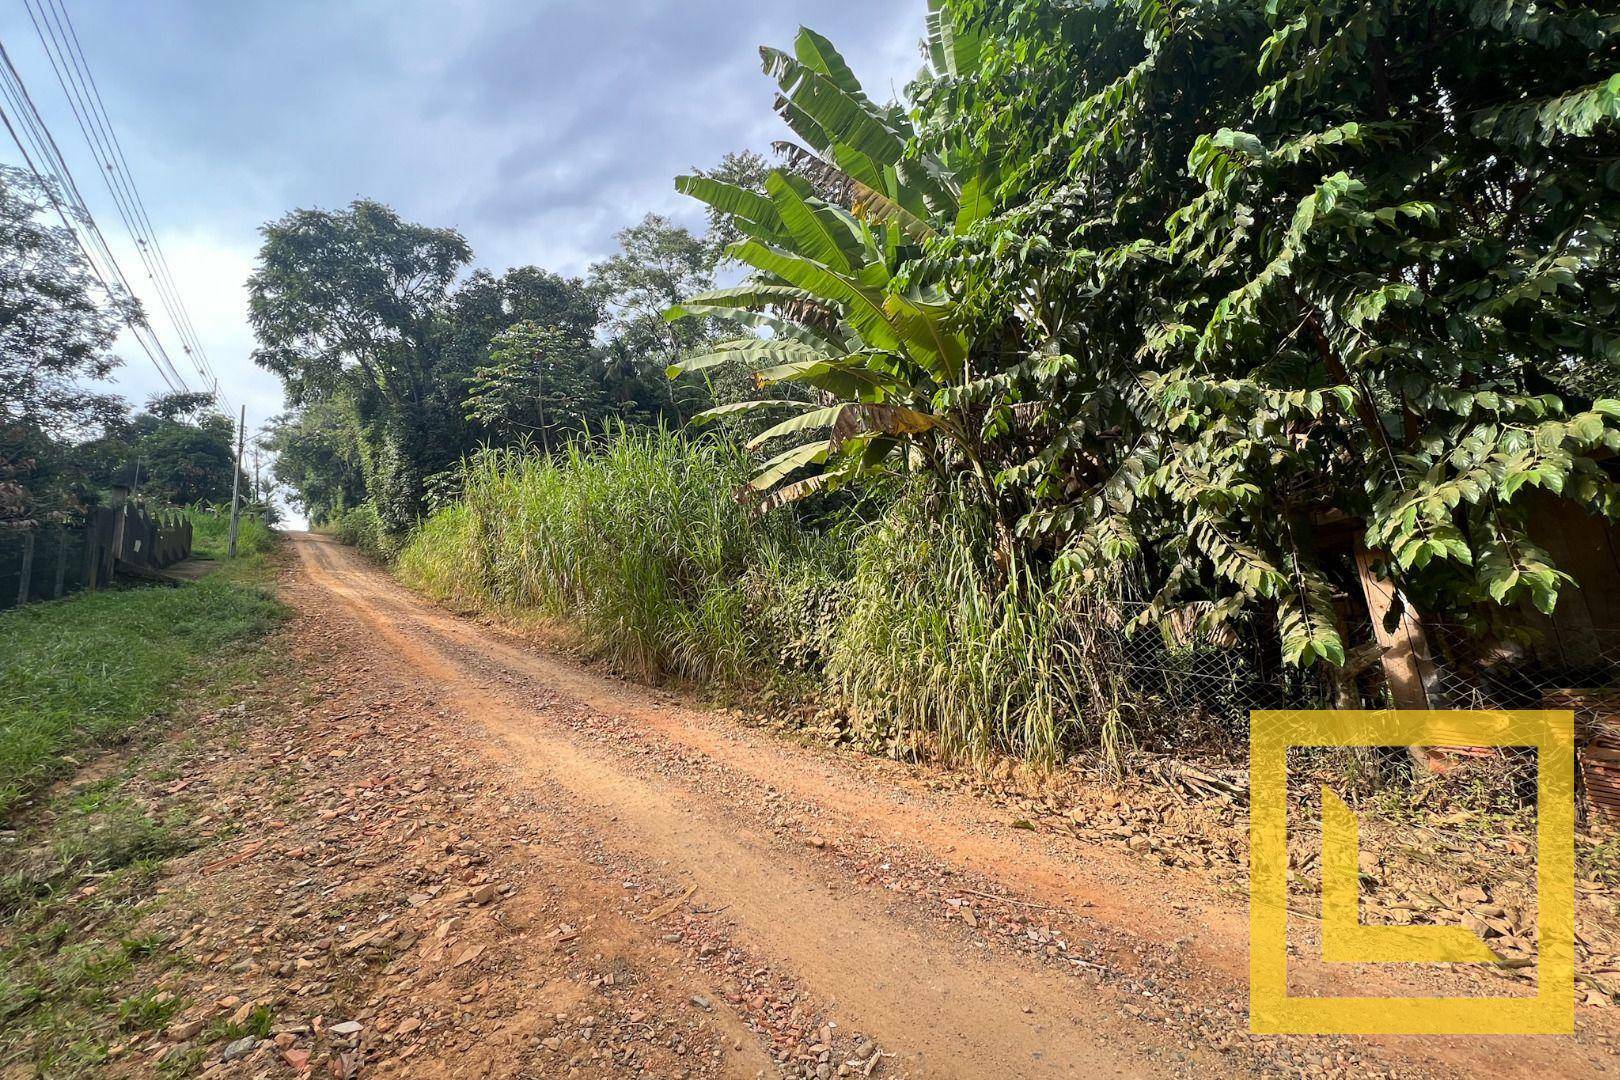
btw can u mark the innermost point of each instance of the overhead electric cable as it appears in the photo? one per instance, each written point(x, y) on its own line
point(58, 37)
point(57, 181)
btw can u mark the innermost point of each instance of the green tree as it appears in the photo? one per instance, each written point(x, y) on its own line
point(1177, 283)
point(882, 353)
point(541, 385)
point(658, 264)
point(1359, 260)
point(353, 302)
point(317, 455)
point(178, 451)
point(57, 325)
point(742, 169)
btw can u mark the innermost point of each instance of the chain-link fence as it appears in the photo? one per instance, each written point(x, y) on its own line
point(52, 560)
point(1176, 683)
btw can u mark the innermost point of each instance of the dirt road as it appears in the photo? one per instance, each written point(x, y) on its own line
point(906, 930)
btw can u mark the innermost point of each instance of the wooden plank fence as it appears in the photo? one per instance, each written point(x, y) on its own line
point(50, 561)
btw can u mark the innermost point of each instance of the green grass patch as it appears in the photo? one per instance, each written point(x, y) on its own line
point(80, 969)
point(937, 652)
point(211, 534)
point(89, 670)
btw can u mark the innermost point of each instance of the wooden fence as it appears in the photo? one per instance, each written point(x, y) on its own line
point(50, 561)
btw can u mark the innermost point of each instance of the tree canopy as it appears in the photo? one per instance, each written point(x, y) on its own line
point(399, 366)
point(57, 325)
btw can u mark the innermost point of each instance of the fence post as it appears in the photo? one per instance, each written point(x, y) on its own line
point(23, 579)
point(61, 563)
point(120, 528)
point(92, 555)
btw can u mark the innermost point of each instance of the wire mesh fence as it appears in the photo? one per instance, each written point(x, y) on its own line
point(52, 560)
point(1178, 685)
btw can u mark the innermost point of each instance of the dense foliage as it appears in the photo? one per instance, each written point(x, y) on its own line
point(1129, 315)
point(1177, 283)
point(56, 327)
point(63, 443)
point(176, 452)
point(640, 544)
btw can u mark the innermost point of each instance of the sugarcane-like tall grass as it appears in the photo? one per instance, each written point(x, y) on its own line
point(637, 540)
point(939, 651)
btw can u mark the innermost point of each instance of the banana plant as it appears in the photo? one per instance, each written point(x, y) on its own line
point(823, 295)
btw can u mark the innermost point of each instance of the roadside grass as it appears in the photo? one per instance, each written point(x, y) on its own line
point(80, 866)
point(76, 972)
point(360, 527)
point(637, 541)
point(86, 671)
point(211, 533)
point(935, 653)
point(897, 611)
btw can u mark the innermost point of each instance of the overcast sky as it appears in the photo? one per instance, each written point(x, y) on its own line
point(537, 128)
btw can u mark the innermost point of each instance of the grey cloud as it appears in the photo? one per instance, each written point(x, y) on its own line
point(536, 128)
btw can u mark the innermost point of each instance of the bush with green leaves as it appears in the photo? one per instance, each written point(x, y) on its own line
point(363, 527)
point(1175, 284)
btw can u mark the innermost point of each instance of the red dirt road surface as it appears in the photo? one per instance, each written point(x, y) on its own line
point(563, 874)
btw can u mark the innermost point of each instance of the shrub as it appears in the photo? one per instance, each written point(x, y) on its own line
point(637, 539)
point(939, 650)
point(211, 530)
point(362, 527)
point(640, 542)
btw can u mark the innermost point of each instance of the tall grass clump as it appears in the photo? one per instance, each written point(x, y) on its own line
point(211, 531)
point(940, 651)
point(637, 539)
point(362, 527)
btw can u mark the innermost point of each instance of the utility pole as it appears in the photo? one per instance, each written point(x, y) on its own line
point(236, 484)
point(257, 498)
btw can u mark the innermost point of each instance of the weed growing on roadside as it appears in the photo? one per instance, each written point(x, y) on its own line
point(640, 542)
point(211, 535)
point(939, 649)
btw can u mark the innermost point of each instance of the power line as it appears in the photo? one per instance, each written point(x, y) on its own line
point(59, 38)
point(58, 182)
point(57, 179)
point(84, 97)
point(119, 168)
